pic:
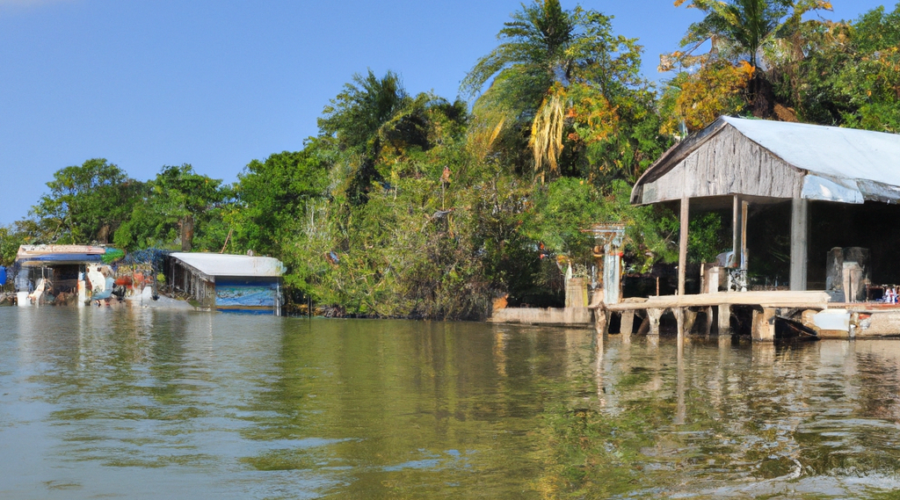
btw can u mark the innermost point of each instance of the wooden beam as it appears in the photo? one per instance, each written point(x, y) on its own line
point(683, 242)
point(799, 242)
point(809, 300)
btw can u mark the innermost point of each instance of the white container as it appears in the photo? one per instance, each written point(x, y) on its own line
point(22, 299)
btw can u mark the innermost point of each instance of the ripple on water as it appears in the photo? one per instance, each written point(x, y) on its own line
point(150, 404)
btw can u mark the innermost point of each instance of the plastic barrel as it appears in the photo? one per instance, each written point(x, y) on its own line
point(2, 275)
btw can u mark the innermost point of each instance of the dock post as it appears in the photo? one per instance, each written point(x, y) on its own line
point(709, 320)
point(679, 319)
point(724, 319)
point(690, 319)
point(627, 323)
point(764, 325)
point(683, 242)
point(601, 320)
point(799, 242)
point(653, 315)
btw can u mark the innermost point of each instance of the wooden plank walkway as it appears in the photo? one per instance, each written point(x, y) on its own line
point(773, 299)
point(766, 307)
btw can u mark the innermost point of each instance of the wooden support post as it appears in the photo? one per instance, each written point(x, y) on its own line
point(724, 341)
point(679, 319)
point(709, 320)
point(724, 319)
point(690, 319)
point(601, 320)
point(764, 325)
point(736, 225)
point(644, 328)
point(745, 206)
point(653, 316)
point(799, 242)
point(627, 323)
point(683, 242)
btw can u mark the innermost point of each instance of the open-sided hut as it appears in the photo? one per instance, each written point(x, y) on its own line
point(229, 283)
point(841, 186)
point(59, 268)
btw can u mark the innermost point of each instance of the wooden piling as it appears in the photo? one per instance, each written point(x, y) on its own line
point(690, 319)
point(653, 316)
point(627, 323)
point(724, 319)
point(764, 324)
point(683, 243)
point(799, 242)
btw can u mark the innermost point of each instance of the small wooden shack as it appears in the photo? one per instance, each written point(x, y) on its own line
point(839, 190)
point(227, 283)
point(744, 163)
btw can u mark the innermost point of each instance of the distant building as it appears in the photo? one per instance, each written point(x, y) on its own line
point(55, 272)
point(227, 283)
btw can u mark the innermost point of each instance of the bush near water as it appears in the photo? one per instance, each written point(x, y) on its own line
point(418, 206)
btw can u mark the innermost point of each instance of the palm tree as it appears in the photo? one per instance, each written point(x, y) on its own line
point(524, 71)
point(737, 30)
point(565, 84)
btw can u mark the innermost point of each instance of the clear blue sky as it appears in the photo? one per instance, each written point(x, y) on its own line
point(217, 83)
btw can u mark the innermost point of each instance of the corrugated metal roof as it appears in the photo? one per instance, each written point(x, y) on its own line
point(836, 164)
point(214, 264)
point(36, 250)
point(860, 164)
point(48, 255)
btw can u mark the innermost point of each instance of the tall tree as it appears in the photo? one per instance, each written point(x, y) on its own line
point(171, 207)
point(353, 120)
point(86, 203)
point(275, 195)
point(563, 83)
point(736, 32)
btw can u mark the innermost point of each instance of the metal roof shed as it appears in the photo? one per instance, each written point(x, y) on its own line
point(231, 283)
point(741, 161)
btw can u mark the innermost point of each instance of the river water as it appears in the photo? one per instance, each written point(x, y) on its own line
point(122, 403)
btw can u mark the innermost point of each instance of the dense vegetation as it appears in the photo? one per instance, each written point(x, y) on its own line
point(417, 206)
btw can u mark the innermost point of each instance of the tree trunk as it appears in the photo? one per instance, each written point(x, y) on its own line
point(763, 96)
point(187, 233)
point(103, 234)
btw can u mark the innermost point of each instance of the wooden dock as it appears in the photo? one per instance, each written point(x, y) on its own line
point(767, 306)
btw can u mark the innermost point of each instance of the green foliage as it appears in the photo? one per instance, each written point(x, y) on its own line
point(86, 203)
point(275, 195)
point(177, 196)
point(564, 85)
point(112, 255)
point(10, 239)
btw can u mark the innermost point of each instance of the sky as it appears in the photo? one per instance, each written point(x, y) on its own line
point(218, 83)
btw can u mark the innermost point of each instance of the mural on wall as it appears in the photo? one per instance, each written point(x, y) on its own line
point(246, 296)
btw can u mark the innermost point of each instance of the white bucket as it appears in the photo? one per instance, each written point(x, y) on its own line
point(22, 299)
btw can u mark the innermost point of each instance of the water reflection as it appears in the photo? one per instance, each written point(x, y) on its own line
point(149, 404)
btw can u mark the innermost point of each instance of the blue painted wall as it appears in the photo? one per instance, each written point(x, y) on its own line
point(246, 295)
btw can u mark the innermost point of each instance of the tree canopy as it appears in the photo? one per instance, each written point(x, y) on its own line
point(413, 205)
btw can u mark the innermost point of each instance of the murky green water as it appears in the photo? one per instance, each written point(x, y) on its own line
point(104, 403)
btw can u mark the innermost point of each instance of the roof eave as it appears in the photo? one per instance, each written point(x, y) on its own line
point(674, 155)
